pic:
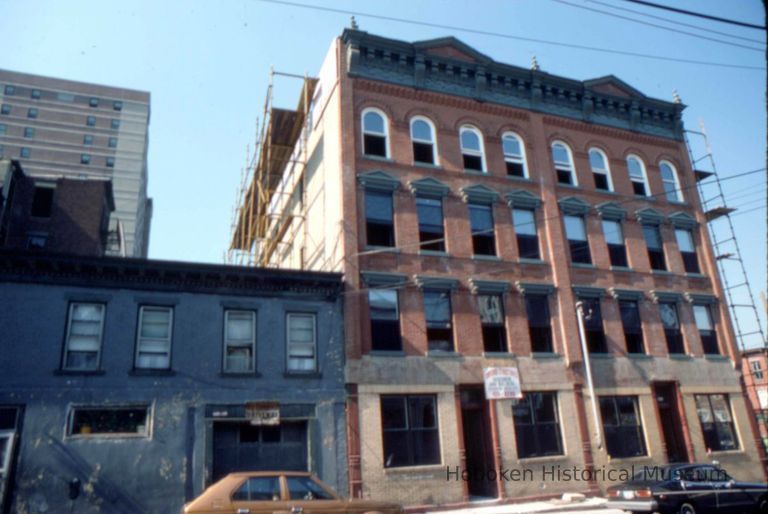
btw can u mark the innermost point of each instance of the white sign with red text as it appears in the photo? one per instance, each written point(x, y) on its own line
point(502, 383)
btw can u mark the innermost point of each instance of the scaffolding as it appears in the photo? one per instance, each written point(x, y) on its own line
point(264, 212)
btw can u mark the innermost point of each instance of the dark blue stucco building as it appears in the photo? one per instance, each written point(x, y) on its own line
point(130, 385)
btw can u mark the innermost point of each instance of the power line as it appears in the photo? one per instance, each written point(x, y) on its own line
point(675, 22)
point(699, 36)
point(509, 36)
point(697, 14)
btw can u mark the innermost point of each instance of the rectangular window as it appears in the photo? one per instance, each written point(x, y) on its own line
point(36, 240)
point(302, 342)
point(614, 238)
point(525, 231)
point(42, 202)
point(115, 124)
point(35, 94)
point(90, 121)
point(87, 139)
point(431, 227)
point(705, 323)
point(84, 335)
point(539, 322)
point(5, 109)
point(112, 142)
point(385, 319)
point(153, 348)
point(10, 90)
point(671, 323)
point(85, 158)
point(593, 325)
point(24, 152)
point(109, 421)
point(491, 308)
point(239, 341)
point(410, 431)
point(3, 129)
point(117, 105)
point(32, 113)
point(110, 162)
point(757, 370)
point(655, 247)
point(687, 250)
point(93, 102)
point(29, 132)
point(714, 412)
point(622, 426)
point(379, 226)
point(537, 426)
point(437, 311)
point(481, 224)
point(578, 244)
point(65, 97)
point(633, 328)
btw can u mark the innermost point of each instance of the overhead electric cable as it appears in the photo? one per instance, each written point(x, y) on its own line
point(698, 14)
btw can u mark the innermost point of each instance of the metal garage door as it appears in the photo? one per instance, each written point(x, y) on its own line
point(244, 447)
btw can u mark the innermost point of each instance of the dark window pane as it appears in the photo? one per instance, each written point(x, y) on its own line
point(473, 162)
point(638, 188)
point(375, 145)
point(580, 252)
point(42, 202)
point(537, 429)
point(431, 233)
point(515, 169)
point(494, 338)
point(378, 215)
point(601, 181)
point(622, 426)
point(124, 420)
point(528, 246)
point(385, 335)
point(633, 332)
point(539, 329)
point(690, 262)
point(410, 430)
point(564, 177)
point(618, 255)
point(593, 324)
point(481, 224)
point(423, 152)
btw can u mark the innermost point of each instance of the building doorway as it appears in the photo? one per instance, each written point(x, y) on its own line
point(478, 446)
point(671, 422)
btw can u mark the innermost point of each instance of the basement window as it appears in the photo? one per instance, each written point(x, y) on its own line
point(109, 421)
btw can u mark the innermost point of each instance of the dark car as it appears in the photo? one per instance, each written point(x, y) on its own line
point(688, 489)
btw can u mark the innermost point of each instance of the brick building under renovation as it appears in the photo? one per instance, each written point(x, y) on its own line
point(471, 206)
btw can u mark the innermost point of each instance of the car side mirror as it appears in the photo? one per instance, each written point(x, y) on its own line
point(683, 484)
point(731, 483)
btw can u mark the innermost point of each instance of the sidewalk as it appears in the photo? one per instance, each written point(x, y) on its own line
point(587, 506)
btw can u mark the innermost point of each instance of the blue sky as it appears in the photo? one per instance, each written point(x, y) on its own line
point(207, 63)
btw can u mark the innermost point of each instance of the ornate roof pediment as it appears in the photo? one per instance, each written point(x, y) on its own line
point(451, 48)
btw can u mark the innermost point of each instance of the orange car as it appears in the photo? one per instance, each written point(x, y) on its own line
point(279, 492)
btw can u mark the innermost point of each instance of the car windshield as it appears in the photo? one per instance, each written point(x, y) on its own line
point(304, 488)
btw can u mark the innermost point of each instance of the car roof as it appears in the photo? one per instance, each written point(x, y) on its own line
point(240, 474)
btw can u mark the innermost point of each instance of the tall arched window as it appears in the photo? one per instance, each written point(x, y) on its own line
point(423, 140)
point(600, 170)
point(671, 182)
point(375, 132)
point(637, 175)
point(472, 149)
point(514, 155)
point(561, 157)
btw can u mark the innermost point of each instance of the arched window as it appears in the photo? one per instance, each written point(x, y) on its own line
point(637, 175)
point(423, 140)
point(671, 182)
point(514, 155)
point(472, 149)
point(375, 131)
point(561, 157)
point(600, 171)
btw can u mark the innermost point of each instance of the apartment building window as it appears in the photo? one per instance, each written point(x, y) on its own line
point(714, 412)
point(578, 244)
point(705, 323)
point(379, 224)
point(537, 425)
point(35, 94)
point(5, 109)
point(593, 325)
point(117, 105)
point(385, 320)
point(423, 140)
point(239, 341)
point(563, 161)
point(687, 250)
point(87, 139)
point(85, 158)
point(410, 430)
point(757, 369)
point(42, 201)
point(491, 308)
point(539, 322)
point(437, 311)
point(472, 152)
point(25, 152)
point(36, 240)
point(153, 348)
point(481, 224)
point(637, 175)
point(526, 234)
point(112, 142)
point(671, 182)
point(10, 90)
point(375, 133)
point(3, 129)
point(110, 162)
point(622, 426)
point(431, 226)
point(514, 155)
point(90, 121)
point(109, 421)
point(632, 325)
point(600, 170)
point(614, 238)
point(93, 102)
point(32, 112)
point(302, 342)
point(671, 323)
point(85, 327)
point(115, 124)
point(29, 132)
point(655, 245)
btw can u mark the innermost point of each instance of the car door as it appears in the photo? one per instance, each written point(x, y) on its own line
point(259, 495)
point(696, 481)
point(732, 496)
point(308, 497)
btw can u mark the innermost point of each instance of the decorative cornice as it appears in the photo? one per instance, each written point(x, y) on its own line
point(429, 186)
point(573, 206)
point(588, 291)
point(479, 286)
point(665, 296)
point(611, 211)
point(597, 130)
point(681, 219)
point(698, 298)
point(378, 181)
point(520, 198)
point(626, 294)
point(440, 283)
point(479, 194)
point(378, 278)
point(649, 216)
point(533, 288)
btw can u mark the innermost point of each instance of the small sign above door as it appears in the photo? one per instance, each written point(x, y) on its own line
point(263, 413)
point(502, 383)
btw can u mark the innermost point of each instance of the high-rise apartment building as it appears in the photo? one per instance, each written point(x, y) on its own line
point(62, 128)
point(474, 208)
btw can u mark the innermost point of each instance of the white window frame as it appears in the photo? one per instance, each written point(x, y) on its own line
point(100, 337)
point(756, 369)
point(570, 167)
point(675, 181)
point(606, 171)
point(5, 463)
point(646, 186)
point(433, 142)
point(288, 343)
point(469, 151)
point(239, 344)
point(139, 339)
point(364, 131)
point(521, 159)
